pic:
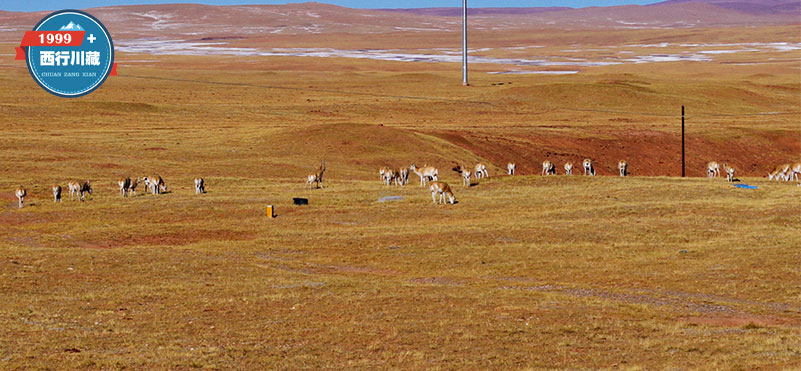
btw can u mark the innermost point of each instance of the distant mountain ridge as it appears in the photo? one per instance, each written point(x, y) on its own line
point(751, 7)
point(755, 7)
point(454, 11)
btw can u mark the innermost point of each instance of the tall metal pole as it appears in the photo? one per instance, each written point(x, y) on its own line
point(682, 142)
point(464, 42)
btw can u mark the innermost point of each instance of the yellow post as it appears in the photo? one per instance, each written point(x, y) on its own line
point(270, 211)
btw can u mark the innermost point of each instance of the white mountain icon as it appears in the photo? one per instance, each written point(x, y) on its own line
point(71, 27)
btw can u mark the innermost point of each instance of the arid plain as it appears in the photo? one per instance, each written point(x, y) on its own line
point(525, 271)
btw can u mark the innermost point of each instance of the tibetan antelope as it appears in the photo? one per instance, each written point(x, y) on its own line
point(132, 186)
point(161, 187)
point(510, 168)
point(389, 176)
point(56, 193)
point(780, 173)
point(795, 169)
point(381, 173)
point(623, 166)
point(568, 168)
point(461, 169)
point(729, 171)
point(155, 184)
point(21, 192)
point(316, 178)
point(403, 175)
point(712, 169)
point(481, 171)
point(124, 184)
point(588, 169)
point(443, 190)
point(200, 186)
point(80, 189)
point(424, 173)
point(548, 168)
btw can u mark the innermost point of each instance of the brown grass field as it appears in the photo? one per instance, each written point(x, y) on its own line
point(652, 271)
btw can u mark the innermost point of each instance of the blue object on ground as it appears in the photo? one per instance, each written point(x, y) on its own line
point(746, 186)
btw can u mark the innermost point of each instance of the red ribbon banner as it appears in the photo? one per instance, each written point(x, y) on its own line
point(48, 38)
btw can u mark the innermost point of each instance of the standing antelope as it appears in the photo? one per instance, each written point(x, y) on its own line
point(729, 171)
point(381, 173)
point(403, 175)
point(712, 169)
point(316, 178)
point(548, 168)
point(510, 168)
point(588, 169)
point(623, 166)
point(21, 192)
point(74, 187)
point(481, 171)
point(124, 184)
point(424, 173)
point(568, 168)
point(461, 169)
point(389, 176)
point(444, 190)
point(56, 193)
point(200, 186)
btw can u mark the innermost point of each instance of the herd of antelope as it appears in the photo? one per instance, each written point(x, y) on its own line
point(79, 191)
point(400, 176)
point(429, 175)
point(786, 172)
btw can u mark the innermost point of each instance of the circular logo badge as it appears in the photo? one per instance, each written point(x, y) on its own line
point(73, 61)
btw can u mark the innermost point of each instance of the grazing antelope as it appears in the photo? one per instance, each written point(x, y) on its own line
point(588, 169)
point(780, 173)
point(56, 193)
point(162, 187)
point(316, 178)
point(510, 168)
point(548, 168)
point(795, 169)
point(424, 173)
point(124, 184)
point(444, 190)
point(200, 186)
point(132, 186)
point(481, 171)
point(568, 168)
point(21, 192)
point(155, 184)
point(712, 169)
point(623, 166)
point(729, 171)
point(79, 189)
point(86, 187)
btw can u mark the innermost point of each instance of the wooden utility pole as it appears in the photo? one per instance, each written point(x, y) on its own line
point(464, 42)
point(682, 142)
